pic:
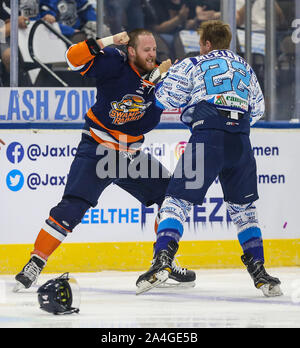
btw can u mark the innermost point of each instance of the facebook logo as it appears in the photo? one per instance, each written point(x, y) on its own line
point(15, 152)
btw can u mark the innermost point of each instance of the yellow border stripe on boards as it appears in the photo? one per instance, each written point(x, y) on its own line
point(136, 256)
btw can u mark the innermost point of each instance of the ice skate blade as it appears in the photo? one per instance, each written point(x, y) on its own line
point(19, 286)
point(144, 285)
point(271, 291)
point(175, 284)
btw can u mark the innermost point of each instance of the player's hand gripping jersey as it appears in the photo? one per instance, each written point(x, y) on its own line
point(218, 91)
point(125, 108)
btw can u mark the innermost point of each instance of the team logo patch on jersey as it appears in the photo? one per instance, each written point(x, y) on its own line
point(220, 100)
point(130, 108)
point(231, 101)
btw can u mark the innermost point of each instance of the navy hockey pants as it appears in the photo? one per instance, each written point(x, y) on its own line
point(227, 155)
point(84, 186)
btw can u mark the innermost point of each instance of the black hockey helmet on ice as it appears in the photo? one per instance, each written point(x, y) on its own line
point(56, 295)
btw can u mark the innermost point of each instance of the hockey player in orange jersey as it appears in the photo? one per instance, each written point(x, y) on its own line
point(123, 80)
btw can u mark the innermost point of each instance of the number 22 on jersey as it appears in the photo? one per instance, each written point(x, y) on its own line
point(239, 83)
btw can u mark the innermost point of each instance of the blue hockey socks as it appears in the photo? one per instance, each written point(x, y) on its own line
point(251, 241)
point(169, 229)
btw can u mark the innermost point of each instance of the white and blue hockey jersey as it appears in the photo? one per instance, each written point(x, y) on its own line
point(210, 85)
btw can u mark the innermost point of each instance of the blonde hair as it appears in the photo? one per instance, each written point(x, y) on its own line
point(217, 33)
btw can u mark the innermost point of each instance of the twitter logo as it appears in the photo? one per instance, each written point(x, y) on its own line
point(15, 180)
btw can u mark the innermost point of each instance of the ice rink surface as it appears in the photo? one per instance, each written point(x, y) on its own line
point(220, 299)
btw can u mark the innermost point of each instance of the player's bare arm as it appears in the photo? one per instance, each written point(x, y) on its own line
point(117, 39)
point(83, 52)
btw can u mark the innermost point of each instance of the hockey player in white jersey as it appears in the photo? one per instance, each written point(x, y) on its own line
point(221, 98)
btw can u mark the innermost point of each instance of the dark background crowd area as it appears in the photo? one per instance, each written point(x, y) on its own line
point(165, 18)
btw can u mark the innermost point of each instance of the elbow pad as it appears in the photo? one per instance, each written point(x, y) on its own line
point(93, 46)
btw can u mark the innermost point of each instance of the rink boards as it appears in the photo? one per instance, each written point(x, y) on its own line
point(118, 233)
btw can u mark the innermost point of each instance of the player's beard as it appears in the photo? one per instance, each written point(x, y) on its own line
point(143, 65)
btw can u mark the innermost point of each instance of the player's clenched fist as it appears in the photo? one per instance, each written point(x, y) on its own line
point(117, 39)
point(165, 66)
point(121, 38)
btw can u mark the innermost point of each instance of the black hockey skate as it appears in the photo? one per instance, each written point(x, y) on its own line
point(159, 271)
point(179, 276)
point(262, 280)
point(29, 274)
point(182, 277)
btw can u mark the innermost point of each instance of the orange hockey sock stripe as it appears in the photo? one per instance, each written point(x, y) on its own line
point(45, 244)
